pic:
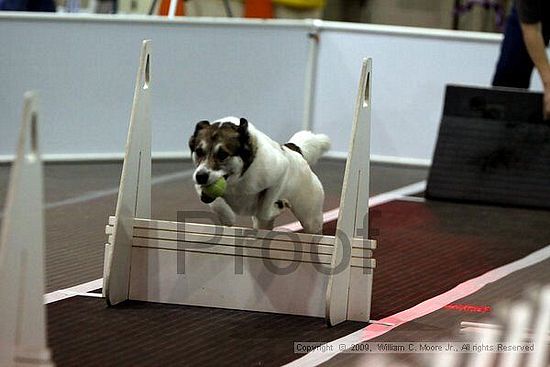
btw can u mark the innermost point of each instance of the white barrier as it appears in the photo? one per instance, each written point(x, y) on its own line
point(253, 68)
point(329, 276)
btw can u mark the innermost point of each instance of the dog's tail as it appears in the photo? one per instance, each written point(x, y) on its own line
point(312, 146)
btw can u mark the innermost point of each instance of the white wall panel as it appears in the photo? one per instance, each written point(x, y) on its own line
point(84, 70)
point(411, 68)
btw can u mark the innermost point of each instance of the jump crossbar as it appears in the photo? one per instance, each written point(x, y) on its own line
point(252, 247)
point(193, 241)
point(217, 230)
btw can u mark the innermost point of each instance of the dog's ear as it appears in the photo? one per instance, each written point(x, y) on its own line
point(192, 143)
point(243, 125)
point(246, 150)
point(193, 139)
point(201, 125)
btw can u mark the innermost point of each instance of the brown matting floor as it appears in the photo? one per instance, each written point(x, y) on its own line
point(424, 250)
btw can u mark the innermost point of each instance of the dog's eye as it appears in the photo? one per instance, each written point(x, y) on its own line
point(221, 155)
point(199, 152)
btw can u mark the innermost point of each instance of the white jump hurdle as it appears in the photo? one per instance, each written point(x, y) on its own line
point(22, 315)
point(240, 268)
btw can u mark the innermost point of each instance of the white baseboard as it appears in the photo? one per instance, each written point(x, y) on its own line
point(402, 161)
point(96, 157)
point(386, 159)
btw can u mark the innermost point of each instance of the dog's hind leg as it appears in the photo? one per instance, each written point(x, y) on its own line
point(308, 207)
point(263, 224)
point(312, 223)
point(309, 211)
point(224, 212)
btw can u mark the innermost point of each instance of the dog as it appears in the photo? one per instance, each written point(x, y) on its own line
point(263, 177)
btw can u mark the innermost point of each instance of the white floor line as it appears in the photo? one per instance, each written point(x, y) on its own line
point(462, 290)
point(93, 195)
point(77, 290)
point(380, 199)
point(414, 199)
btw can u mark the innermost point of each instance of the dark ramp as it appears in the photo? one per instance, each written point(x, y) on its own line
point(425, 249)
point(493, 147)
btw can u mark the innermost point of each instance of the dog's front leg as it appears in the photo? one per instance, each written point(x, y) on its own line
point(224, 212)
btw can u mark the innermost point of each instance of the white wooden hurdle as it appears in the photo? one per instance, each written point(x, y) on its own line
point(240, 268)
point(22, 314)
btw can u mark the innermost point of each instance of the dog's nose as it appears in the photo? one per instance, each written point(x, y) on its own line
point(201, 177)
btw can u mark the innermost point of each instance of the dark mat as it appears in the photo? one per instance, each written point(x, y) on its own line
point(83, 331)
point(425, 249)
point(444, 324)
point(493, 147)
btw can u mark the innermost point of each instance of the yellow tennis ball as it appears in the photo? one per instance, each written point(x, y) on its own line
point(216, 189)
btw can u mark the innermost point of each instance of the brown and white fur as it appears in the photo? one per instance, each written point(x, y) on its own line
point(263, 177)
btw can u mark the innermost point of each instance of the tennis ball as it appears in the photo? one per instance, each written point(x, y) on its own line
point(216, 189)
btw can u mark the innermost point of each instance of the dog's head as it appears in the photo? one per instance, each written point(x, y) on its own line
point(221, 149)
